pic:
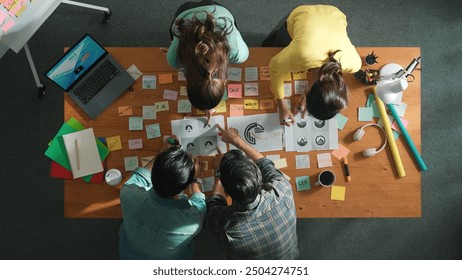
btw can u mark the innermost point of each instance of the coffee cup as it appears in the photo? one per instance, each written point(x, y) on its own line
point(113, 177)
point(326, 179)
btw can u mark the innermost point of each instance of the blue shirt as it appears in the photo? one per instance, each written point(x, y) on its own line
point(238, 52)
point(154, 227)
point(264, 229)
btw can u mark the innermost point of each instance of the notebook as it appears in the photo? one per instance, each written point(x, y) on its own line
point(82, 153)
point(90, 75)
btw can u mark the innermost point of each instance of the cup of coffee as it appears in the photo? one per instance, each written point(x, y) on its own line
point(326, 179)
point(113, 177)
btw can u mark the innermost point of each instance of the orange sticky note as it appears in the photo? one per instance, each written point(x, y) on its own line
point(264, 73)
point(165, 79)
point(341, 152)
point(125, 111)
point(266, 104)
point(337, 193)
point(236, 110)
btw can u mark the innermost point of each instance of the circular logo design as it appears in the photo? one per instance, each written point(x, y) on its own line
point(248, 132)
point(320, 140)
point(301, 123)
point(190, 146)
point(319, 123)
point(302, 141)
point(208, 145)
point(188, 128)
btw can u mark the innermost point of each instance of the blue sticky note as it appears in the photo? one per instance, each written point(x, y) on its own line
point(135, 123)
point(375, 110)
point(365, 114)
point(303, 183)
point(370, 100)
point(153, 131)
point(341, 121)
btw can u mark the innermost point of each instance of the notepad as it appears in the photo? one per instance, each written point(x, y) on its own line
point(82, 153)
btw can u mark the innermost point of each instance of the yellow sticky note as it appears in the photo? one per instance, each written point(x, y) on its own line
point(125, 111)
point(250, 104)
point(162, 106)
point(266, 104)
point(183, 91)
point(287, 76)
point(280, 163)
point(221, 107)
point(146, 160)
point(165, 79)
point(299, 75)
point(236, 110)
point(114, 143)
point(337, 193)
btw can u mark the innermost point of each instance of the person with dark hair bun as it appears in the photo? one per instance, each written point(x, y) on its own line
point(261, 222)
point(314, 38)
point(159, 221)
point(205, 40)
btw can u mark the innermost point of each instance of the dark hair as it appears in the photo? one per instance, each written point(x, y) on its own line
point(329, 93)
point(240, 176)
point(173, 170)
point(203, 51)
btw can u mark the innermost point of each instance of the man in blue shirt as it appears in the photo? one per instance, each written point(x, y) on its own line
point(261, 221)
point(159, 222)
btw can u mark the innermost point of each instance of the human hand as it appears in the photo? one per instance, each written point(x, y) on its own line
point(171, 141)
point(230, 135)
point(208, 115)
point(216, 160)
point(199, 166)
point(285, 116)
point(301, 107)
point(164, 50)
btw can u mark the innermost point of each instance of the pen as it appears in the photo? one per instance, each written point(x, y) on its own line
point(77, 153)
point(173, 142)
point(347, 169)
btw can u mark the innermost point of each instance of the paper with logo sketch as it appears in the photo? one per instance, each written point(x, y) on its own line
point(83, 153)
point(263, 131)
point(311, 134)
point(197, 139)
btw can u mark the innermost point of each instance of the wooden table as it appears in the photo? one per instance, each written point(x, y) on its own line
point(375, 189)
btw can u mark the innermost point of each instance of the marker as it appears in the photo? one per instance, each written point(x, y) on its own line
point(347, 169)
point(173, 142)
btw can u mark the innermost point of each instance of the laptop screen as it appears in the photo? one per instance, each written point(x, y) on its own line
point(77, 61)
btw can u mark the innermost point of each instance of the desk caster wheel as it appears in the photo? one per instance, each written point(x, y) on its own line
point(41, 91)
point(106, 17)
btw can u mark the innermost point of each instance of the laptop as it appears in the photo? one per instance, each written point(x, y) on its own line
point(90, 75)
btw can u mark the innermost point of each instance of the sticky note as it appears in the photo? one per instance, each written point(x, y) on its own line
point(390, 118)
point(280, 163)
point(2, 17)
point(113, 143)
point(234, 90)
point(134, 71)
point(395, 125)
point(287, 89)
point(183, 91)
point(299, 75)
point(221, 107)
point(8, 25)
point(146, 160)
point(125, 111)
point(131, 163)
point(135, 144)
point(303, 183)
point(234, 74)
point(170, 94)
point(181, 76)
point(264, 73)
point(401, 109)
point(250, 104)
point(364, 114)
point(184, 106)
point(337, 193)
point(153, 131)
point(370, 100)
point(267, 104)
point(324, 160)
point(341, 152)
point(162, 106)
point(236, 110)
point(287, 76)
point(149, 112)
point(375, 110)
point(165, 79)
point(302, 161)
point(207, 184)
point(149, 82)
point(341, 121)
point(300, 86)
point(251, 74)
point(20, 11)
point(135, 123)
point(251, 89)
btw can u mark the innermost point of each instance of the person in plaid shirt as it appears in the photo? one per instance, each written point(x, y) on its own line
point(261, 222)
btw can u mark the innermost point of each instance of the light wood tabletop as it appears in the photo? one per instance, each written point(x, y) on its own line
point(375, 189)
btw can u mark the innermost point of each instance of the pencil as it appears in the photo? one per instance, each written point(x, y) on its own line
point(77, 153)
point(347, 169)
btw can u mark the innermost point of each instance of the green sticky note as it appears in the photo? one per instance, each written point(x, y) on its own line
point(365, 114)
point(135, 123)
point(153, 131)
point(375, 110)
point(303, 183)
point(341, 121)
point(370, 99)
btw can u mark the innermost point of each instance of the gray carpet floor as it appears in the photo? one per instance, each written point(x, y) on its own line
point(31, 203)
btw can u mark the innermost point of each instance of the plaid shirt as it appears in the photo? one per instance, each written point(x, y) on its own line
point(264, 229)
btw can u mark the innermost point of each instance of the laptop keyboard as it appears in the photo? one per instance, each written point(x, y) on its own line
point(96, 82)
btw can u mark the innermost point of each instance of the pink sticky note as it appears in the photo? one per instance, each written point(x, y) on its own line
point(236, 110)
point(341, 152)
point(396, 127)
point(234, 90)
point(170, 94)
point(2, 17)
point(135, 144)
point(8, 25)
